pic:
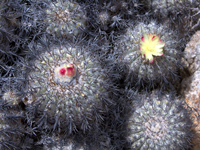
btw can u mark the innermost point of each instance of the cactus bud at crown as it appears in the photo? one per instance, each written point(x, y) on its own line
point(65, 72)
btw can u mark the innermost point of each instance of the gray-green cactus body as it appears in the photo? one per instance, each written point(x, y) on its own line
point(65, 18)
point(70, 96)
point(159, 123)
point(163, 66)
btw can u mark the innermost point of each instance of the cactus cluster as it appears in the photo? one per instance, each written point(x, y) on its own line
point(99, 74)
point(68, 83)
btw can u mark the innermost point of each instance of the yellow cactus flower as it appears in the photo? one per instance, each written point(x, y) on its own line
point(151, 45)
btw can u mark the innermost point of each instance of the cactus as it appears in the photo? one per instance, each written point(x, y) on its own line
point(65, 18)
point(56, 143)
point(10, 97)
point(160, 122)
point(67, 82)
point(150, 52)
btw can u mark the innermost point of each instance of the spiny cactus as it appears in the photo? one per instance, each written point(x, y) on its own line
point(163, 8)
point(67, 83)
point(160, 122)
point(61, 88)
point(150, 52)
point(65, 18)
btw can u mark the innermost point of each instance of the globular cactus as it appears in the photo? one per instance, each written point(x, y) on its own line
point(65, 18)
point(150, 53)
point(67, 83)
point(159, 122)
point(168, 7)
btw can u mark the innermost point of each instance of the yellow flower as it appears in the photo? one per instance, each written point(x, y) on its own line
point(151, 45)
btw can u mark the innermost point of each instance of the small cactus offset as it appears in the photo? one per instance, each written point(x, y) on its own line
point(159, 123)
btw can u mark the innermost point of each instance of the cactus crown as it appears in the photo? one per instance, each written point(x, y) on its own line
point(151, 46)
point(65, 72)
